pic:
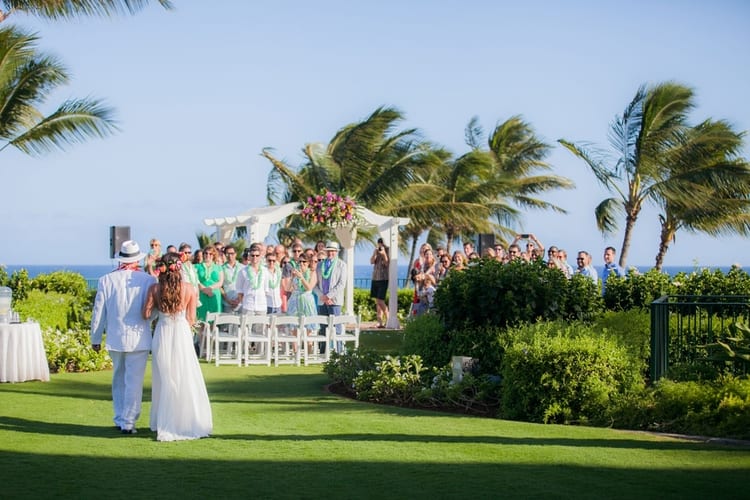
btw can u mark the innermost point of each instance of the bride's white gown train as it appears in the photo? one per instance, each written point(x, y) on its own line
point(180, 408)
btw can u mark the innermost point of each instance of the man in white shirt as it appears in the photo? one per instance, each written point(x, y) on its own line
point(232, 270)
point(252, 285)
point(120, 296)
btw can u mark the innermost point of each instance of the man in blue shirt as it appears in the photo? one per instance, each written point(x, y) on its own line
point(610, 267)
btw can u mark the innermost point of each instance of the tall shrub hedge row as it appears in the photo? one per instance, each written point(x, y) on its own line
point(491, 293)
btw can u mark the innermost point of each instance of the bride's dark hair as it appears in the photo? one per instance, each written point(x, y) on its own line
point(170, 283)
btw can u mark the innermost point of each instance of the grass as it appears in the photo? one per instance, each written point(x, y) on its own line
point(382, 341)
point(278, 434)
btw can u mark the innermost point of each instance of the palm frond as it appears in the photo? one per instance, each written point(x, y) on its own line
point(605, 214)
point(66, 9)
point(74, 122)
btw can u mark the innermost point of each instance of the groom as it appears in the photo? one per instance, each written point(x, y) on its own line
point(117, 310)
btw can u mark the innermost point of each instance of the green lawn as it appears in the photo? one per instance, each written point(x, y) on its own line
point(278, 434)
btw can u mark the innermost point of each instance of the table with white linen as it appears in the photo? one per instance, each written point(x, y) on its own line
point(22, 355)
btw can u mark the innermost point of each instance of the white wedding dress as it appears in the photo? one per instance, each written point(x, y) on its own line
point(180, 408)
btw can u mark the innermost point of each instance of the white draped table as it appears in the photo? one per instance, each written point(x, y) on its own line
point(22, 355)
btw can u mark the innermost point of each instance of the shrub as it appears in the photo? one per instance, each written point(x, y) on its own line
point(631, 329)
point(475, 394)
point(365, 306)
point(344, 368)
point(719, 408)
point(394, 380)
point(554, 373)
point(18, 282)
point(425, 335)
point(491, 293)
point(50, 309)
point(636, 291)
point(71, 351)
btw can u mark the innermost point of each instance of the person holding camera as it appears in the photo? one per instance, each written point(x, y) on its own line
point(379, 283)
point(534, 248)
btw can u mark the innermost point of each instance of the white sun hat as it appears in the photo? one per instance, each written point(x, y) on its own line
point(130, 252)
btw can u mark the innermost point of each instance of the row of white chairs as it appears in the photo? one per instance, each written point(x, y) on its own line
point(229, 338)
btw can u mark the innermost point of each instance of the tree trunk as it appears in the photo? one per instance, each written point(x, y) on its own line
point(629, 224)
point(449, 237)
point(667, 236)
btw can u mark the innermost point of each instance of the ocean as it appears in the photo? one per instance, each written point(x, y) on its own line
point(362, 273)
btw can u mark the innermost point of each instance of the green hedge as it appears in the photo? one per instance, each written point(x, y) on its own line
point(491, 293)
point(555, 373)
point(365, 305)
point(718, 408)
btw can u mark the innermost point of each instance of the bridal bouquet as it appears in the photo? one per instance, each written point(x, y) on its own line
point(330, 209)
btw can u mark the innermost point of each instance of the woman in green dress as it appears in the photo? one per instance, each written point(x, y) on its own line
point(210, 279)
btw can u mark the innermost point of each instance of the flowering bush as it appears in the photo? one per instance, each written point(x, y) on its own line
point(330, 209)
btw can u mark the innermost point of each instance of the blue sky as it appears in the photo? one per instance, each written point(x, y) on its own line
point(200, 91)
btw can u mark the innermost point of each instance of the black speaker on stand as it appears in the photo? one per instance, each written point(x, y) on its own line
point(117, 235)
point(485, 241)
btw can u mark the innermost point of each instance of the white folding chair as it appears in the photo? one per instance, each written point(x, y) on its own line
point(344, 330)
point(206, 341)
point(313, 335)
point(257, 339)
point(227, 331)
point(285, 329)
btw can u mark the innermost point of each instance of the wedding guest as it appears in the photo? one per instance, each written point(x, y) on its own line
point(188, 270)
point(458, 261)
point(585, 268)
point(379, 283)
point(197, 257)
point(610, 267)
point(443, 267)
point(468, 248)
point(153, 255)
point(231, 268)
point(180, 409)
point(120, 296)
point(426, 295)
point(210, 281)
point(562, 256)
point(220, 257)
point(252, 285)
point(331, 282)
point(301, 301)
point(274, 295)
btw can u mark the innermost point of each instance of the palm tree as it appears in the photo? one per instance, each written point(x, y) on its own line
point(26, 79)
point(493, 182)
point(58, 9)
point(639, 138)
point(709, 186)
point(381, 168)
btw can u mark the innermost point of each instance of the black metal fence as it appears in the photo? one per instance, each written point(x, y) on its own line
point(683, 325)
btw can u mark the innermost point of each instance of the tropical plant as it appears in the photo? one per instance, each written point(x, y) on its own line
point(27, 78)
point(709, 185)
point(640, 138)
point(57, 9)
point(369, 161)
point(491, 182)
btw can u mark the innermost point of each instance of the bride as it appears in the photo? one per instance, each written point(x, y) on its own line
point(180, 408)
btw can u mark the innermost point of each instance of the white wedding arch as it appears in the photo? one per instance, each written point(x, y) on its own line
point(258, 222)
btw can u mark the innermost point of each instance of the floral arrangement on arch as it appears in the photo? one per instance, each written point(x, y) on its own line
point(330, 209)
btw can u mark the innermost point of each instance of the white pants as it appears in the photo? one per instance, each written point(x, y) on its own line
point(128, 370)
